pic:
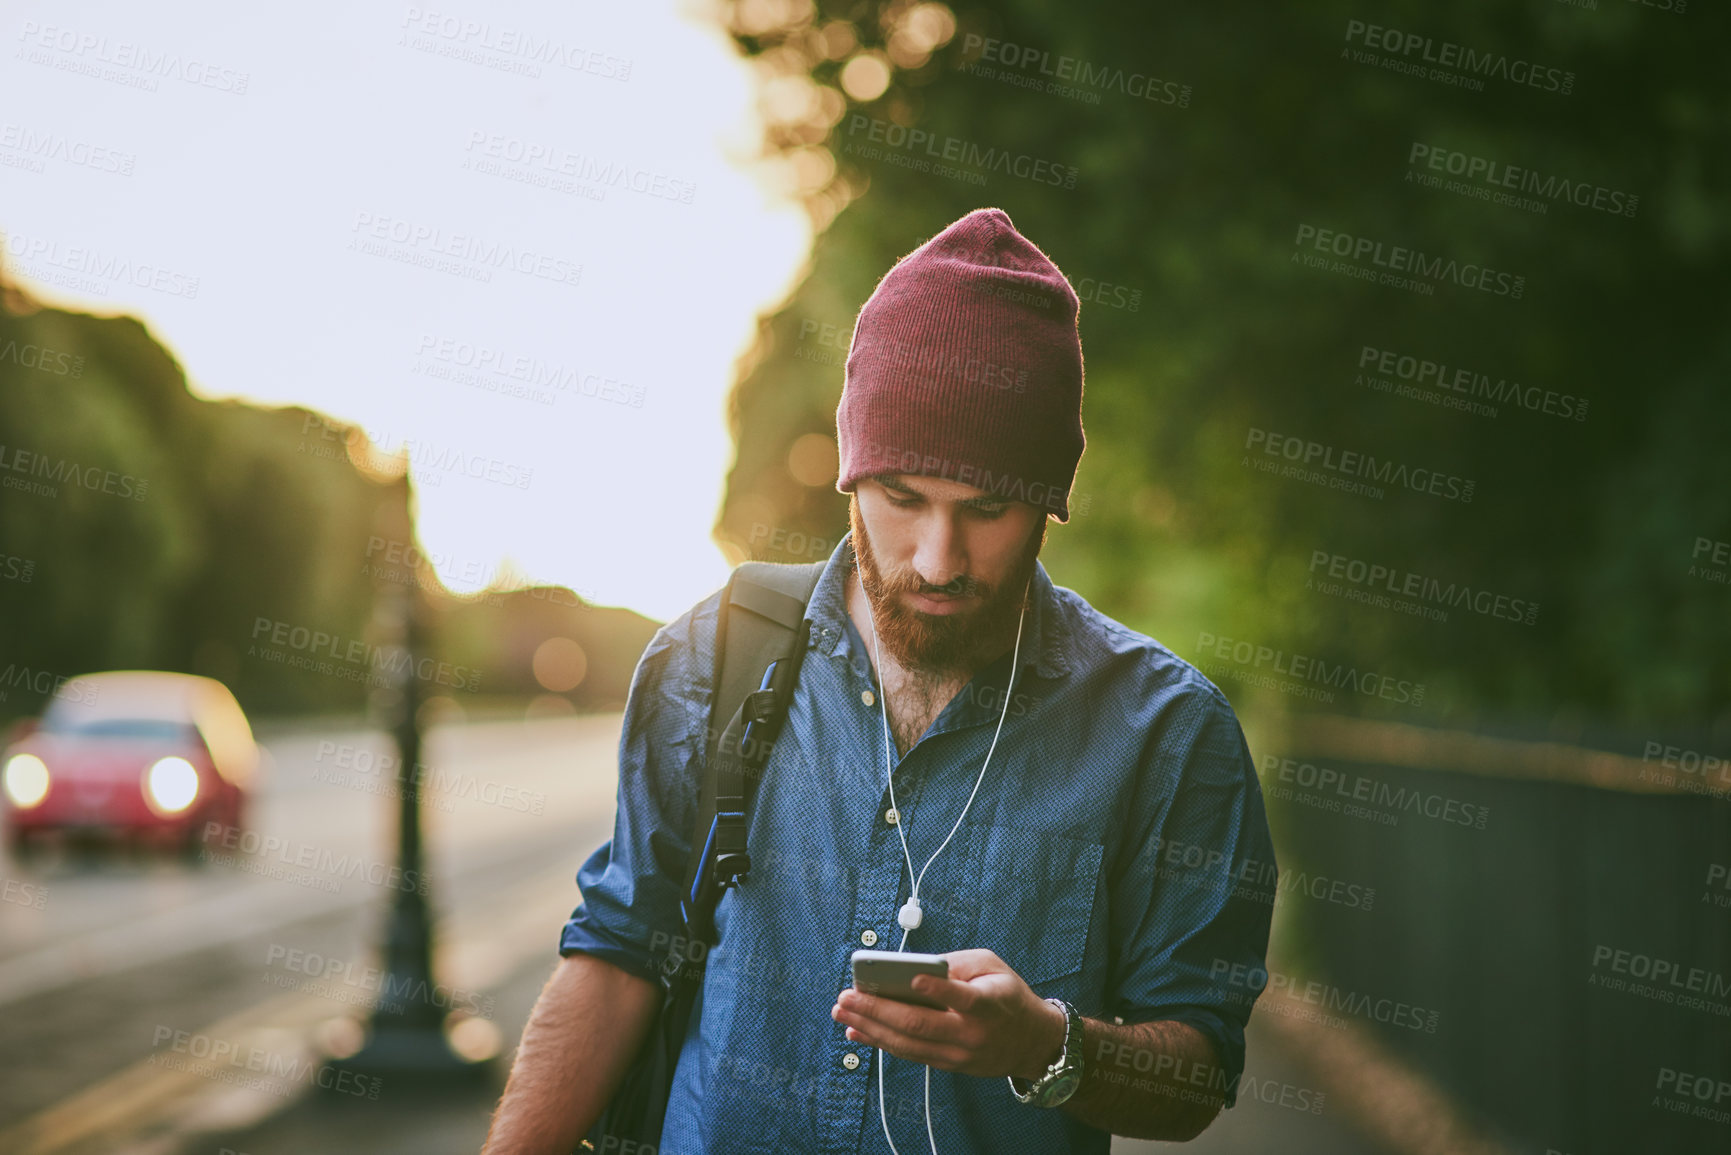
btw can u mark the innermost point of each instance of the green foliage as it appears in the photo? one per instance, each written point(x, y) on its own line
point(141, 527)
point(159, 529)
point(1198, 208)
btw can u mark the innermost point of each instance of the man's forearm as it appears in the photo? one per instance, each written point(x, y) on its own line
point(581, 1036)
point(1156, 1080)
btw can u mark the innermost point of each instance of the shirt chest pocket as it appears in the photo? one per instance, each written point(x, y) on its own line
point(1034, 895)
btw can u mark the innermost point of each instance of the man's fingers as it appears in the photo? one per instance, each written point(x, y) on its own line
point(902, 1046)
point(973, 962)
point(958, 996)
point(905, 1017)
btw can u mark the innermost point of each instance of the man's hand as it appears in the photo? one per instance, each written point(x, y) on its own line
point(995, 1025)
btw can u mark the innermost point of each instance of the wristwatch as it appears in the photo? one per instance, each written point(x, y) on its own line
point(1065, 1074)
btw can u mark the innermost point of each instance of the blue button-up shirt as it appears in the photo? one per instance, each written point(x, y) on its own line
point(1116, 856)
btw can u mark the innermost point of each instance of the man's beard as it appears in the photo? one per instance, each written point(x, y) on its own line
point(942, 644)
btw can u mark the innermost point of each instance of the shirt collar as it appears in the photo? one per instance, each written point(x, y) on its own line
point(833, 632)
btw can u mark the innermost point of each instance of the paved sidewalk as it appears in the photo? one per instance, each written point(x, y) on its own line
point(454, 1123)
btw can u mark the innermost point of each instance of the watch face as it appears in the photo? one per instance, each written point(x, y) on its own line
point(1062, 1088)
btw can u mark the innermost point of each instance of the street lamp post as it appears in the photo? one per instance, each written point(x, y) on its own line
point(406, 1046)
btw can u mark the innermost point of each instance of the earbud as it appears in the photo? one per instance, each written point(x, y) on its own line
point(909, 915)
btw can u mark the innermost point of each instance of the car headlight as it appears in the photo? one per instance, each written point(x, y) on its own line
point(172, 784)
point(26, 780)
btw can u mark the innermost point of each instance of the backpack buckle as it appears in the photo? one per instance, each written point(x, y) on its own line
point(757, 709)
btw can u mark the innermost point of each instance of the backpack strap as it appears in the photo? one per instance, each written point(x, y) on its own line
point(760, 642)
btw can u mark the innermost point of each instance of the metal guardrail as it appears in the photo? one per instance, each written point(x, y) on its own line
point(1665, 770)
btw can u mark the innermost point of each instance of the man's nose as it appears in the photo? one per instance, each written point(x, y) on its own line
point(938, 557)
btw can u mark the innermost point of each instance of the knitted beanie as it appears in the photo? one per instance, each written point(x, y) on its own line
point(966, 365)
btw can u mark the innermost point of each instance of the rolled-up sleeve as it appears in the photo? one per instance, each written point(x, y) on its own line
point(1191, 905)
point(630, 886)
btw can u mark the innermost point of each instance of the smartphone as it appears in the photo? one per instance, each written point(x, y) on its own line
point(890, 973)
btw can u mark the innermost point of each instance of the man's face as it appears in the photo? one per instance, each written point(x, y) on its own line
point(944, 565)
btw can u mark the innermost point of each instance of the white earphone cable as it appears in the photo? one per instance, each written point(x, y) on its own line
point(907, 922)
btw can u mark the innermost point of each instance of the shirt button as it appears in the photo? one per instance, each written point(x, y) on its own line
point(869, 937)
point(850, 1061)
point(892, 816)
point(868, 697)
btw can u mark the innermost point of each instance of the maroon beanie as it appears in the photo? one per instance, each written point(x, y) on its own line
point(966, 365)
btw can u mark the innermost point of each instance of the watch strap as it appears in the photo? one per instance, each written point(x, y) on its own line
point(1068, 1062)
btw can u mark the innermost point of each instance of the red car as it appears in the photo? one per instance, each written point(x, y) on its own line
point(139, 753)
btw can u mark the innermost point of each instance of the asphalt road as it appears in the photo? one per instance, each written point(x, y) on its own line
point(149, 1006)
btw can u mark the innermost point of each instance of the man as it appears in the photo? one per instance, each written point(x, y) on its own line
point(1081, 828)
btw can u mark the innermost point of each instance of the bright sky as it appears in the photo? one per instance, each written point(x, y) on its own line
point(306, 165)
